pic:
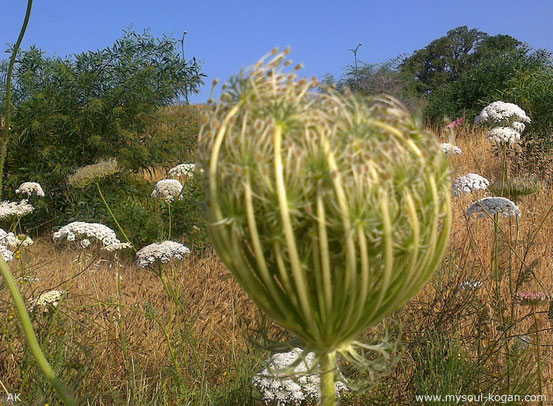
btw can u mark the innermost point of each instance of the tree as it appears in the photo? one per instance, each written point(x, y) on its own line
point(445, 59)
point(376, 79)
point(521, 77)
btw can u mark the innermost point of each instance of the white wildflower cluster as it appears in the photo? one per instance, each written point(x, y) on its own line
point(503, 135)
point(167, 189)
point(493, 206)
point(450, 149)
point(288, 391)
point(13, 241)
point(28, 278)
point(469, 183)
point(162, 252)
point(6, 253)
point(82, 232)
point(48, 299)
point(85, 243)
point(507, 119)
point(15, 209)
point(30, 188)
point(499, 111)
point(470, 285)
point(10, 240)
point(182, 169)
point(518, 126)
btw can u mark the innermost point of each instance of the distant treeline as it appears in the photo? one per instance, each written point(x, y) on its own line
point(460, 73)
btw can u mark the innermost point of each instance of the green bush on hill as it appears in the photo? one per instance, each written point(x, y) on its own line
point(116, 102)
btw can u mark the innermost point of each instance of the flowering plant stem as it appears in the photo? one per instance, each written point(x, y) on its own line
point(29, 333)
point(111, 213)
point(6, 135)
point(168, 329)
point(328, 389)
point(170, 220)
point(538, 355)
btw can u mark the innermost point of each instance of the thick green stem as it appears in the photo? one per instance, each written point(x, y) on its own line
point(6, 135)
point(328, 389)
point(29, 333)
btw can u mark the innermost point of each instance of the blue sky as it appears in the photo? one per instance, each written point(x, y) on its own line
point(229, 34)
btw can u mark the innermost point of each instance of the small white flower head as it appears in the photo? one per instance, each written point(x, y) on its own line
point(6, 253)
point(15, 209)
point(13, 241)
point(499, 111)
point(85, 243)
point(450, 149)
point(80, 231)
point(182, 169)
point(470, 285)
point(30, 188)
point(167, 189)
point(287, 391)
point(28, 278)
point(162, 252)
point(518, 126)
point(48, 299)
point(469, 183)
point(503, 135)
point(492, 206)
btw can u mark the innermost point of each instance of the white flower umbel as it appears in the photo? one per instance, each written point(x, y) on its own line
point(79, 230)
point(30, 188)
point(450, 149)
point(13, 241)
point(493, 206)
point(288, 391)
point(499, 111)
point(470, 285)
point(503, 135)
point(48, 299)
point(6, 253)
point(28, 278)
point(469, 183)
point(518, 126)
point(167, 189)
point(85, 243)
point(182, 169)
point(162, 252)
point(15, 209)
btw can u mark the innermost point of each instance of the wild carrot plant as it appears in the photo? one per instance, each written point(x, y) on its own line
point(329, 210)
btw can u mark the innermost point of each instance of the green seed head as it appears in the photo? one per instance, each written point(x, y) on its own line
point(331, 211)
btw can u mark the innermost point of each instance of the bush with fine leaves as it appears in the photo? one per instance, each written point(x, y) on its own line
point(108, 103)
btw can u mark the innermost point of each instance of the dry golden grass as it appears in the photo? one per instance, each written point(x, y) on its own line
point(474, 237)
point(209, 295)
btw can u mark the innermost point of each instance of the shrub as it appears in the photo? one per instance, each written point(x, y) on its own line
point(96, 105)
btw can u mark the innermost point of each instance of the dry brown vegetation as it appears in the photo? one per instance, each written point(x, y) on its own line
point(112, 331)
